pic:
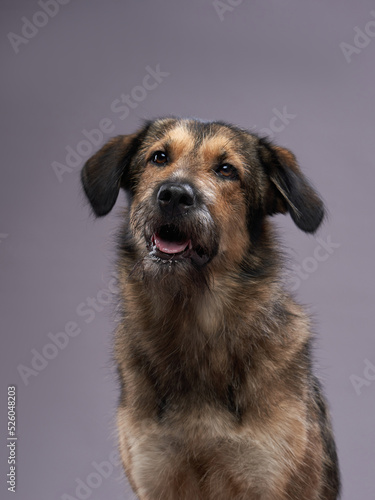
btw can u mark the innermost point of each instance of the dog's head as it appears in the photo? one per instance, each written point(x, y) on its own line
point(199, 191)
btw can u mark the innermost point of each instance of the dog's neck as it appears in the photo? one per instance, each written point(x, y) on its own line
point(201, 303)
point(204, 339)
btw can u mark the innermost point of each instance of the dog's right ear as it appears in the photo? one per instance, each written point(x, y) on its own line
point(104, 173)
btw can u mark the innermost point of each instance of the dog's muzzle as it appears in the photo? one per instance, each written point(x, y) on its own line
point(175, 236)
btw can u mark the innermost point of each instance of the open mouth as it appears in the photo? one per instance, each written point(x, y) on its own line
point(171, 244)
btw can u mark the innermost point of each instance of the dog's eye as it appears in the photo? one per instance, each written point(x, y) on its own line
point(227, 171)
point(159, 158)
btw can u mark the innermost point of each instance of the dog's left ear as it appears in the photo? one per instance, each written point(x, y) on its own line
point(108, 170)
point(289, 189)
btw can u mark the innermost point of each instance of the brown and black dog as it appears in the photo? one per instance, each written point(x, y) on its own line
point(218, 399)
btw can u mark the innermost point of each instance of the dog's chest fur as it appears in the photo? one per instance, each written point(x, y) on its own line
point(205, 368)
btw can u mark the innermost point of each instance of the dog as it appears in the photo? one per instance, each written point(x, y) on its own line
point(218, 397)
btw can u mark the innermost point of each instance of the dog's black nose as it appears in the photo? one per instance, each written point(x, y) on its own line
point(175, 199)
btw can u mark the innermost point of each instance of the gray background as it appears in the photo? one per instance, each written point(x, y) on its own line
point(256, 58)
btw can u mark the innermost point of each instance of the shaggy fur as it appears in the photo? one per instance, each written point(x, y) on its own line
point(218, 399)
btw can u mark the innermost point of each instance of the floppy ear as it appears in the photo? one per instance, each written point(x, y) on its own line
point(290, 191)
point(104, 173)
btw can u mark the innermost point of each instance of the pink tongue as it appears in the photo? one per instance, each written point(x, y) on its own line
point(170, 246)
